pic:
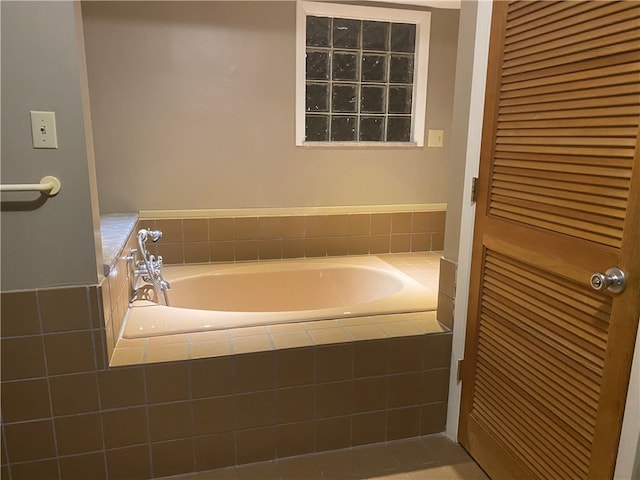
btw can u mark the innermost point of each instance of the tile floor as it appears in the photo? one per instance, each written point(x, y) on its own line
point(432, 457)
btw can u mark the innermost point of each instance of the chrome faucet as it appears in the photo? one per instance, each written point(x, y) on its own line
point(149, 268)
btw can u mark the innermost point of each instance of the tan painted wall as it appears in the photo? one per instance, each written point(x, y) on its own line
point(53, 242)
point(460, 128)
point(193, 107)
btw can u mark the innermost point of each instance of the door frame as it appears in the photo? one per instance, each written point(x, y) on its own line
point(629, 446)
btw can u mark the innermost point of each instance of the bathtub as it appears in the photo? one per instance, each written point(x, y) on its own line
point(222, 296)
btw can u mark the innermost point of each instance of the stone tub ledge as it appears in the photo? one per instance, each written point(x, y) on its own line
point(115, 229)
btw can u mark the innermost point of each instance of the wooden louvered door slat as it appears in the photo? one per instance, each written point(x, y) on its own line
point(547, 358)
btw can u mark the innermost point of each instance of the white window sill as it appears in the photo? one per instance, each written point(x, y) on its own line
point(360, 145)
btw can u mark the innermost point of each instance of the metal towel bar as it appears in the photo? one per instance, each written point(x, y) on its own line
point(48, 185)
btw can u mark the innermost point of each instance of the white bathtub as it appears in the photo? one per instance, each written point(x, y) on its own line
point(220, 296)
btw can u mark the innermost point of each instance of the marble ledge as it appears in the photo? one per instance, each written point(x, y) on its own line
point(115, 229)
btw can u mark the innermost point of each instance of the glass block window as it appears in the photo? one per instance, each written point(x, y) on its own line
point(360, 74)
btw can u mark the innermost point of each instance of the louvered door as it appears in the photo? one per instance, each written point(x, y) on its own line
point(547, 358)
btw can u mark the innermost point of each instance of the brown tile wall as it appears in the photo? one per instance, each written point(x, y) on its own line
point(203, 240)
point(117, 291)
point(67, 415)
point(446, 291)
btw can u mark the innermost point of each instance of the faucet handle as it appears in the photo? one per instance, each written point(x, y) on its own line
point(157, 265)
point(132, 255)
point(144, 233)
point(155, 235)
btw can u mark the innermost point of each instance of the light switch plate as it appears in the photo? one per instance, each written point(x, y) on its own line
point(436, 138)
point(43, 129)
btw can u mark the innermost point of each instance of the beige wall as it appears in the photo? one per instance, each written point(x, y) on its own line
point(460, 128)
point(53, 242)
point(193, 107)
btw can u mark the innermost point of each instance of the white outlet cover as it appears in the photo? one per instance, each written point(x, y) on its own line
point(435, 138)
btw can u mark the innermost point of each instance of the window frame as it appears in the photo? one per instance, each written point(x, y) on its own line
point(422, 21)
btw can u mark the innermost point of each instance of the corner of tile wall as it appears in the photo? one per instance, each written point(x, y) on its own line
point(446, 292)
point(117, 290)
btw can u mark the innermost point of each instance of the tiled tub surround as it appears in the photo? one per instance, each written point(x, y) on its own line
point(67, 415)
point(185, 403)
point(233, 238)
point(242, 238)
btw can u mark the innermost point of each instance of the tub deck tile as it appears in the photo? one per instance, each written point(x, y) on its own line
point(229, 342)
point(400, 329)
point(128, 356)
point(170, 352)
point(428, 324)
point(326, 336)
point(252, 343)
point(291, 339)
point(364, 332)
point(209, 348)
